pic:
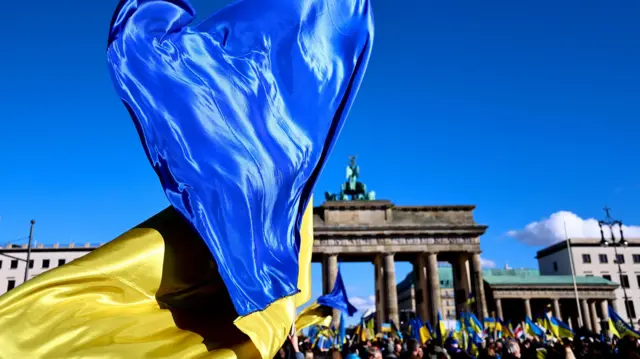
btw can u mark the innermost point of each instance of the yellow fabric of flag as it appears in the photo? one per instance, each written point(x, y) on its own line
point(153, 292)
point(314, 314)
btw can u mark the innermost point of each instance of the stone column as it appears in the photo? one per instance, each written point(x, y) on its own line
point(329, 272)
point(499, 308)
point(556, 309)
point(481, 300)
point(527, 308)
point(380, 292)
point(392, 293)
point(586, 317)
point(434, 285)
point(604, 307)
point(461, 284)
point(422, 294)
point(594, 317)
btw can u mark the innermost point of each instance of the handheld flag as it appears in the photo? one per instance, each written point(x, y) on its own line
point(622, 328)
point(396, 330)
point(342, 332)
point(314, 314)
point(470, 299)
point(338, 298)
point(442, 330)
point(559, 329)
point(320, 312)
point(237, 116)
point(532, 328)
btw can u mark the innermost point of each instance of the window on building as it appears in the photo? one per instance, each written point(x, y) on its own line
point(638, 278)
point(589, 275)
point(603, 258)
point(608, 277)
point(624, 280)
point(0, 264)
point(631, 310)
point(586, 258)
point(11, 283)
point(555, 266)
point(61, 262)
point(620, 258)
point(45, 263)
point(636, 258)
point(14, 264)
point(30, 263)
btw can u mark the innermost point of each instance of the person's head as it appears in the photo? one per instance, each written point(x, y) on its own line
point(282, 353)
point(414, 349)
point(513, 348)
point(491, 349)
point(453, 344)
point(375, 353)
point(335, 354)
point(398, 348)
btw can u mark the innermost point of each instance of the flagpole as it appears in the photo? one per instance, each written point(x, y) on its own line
point(573, 275)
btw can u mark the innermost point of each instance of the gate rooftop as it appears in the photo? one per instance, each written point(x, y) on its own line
point(357, 230)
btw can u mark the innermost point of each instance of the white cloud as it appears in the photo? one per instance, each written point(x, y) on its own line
point(363, 304)
point(487, 263)
point(551, 230)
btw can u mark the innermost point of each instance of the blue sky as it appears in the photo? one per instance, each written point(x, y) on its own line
point(523, 108)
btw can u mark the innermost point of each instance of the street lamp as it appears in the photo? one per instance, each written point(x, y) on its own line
point(621, 242)
point(28, 260)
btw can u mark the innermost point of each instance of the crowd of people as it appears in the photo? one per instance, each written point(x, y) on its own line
point(584, 347)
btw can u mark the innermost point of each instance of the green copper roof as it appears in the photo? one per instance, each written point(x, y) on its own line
point(534, 278)
point(511, 277)
point(445, 274)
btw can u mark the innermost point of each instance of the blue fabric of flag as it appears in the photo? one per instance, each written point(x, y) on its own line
point(338, 298)
point(416, 325)
point(342, 331)
point(237, 115)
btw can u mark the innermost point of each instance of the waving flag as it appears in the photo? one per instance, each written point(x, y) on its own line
point(338, 298)
point(320, 312)
point(532, 328)
point(558, 328)
point(237, 116)
point(622, 328)
point(442, 330)
point(418, 330)
point(505, 330)
point(342, 332)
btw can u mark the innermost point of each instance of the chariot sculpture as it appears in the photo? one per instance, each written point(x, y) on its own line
point(352, 189)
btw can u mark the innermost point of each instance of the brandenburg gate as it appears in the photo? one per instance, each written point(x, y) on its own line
point(354, 227)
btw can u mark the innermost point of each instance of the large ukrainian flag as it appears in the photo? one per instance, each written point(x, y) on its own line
point(237, 116)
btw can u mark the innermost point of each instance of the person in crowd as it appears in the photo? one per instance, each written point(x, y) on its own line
point(374, 353)
point(389, 351)
point(512, 350)
point(414, 350)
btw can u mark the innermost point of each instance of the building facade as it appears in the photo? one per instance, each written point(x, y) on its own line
point(590, 259)
point(513, 294)
point(407, 295)
point(43, 258)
